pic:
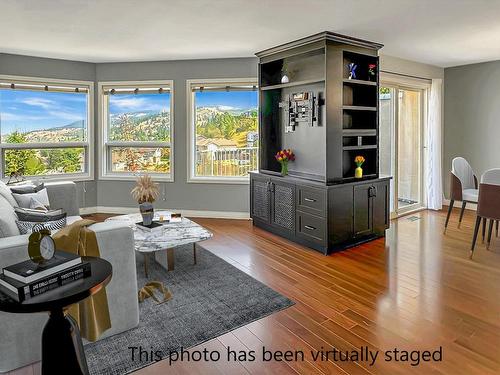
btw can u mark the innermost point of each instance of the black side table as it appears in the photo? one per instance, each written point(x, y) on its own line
point(62, 348)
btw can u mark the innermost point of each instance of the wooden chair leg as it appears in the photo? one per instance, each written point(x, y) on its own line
point(464, 203)
point(496, 227)
point(474, 237)
point(490, 229)
point(484, 228)
point(450, 208)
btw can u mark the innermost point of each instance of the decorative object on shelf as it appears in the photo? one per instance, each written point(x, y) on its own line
point(16, 177)
point(372, 75)
point(41, 246)
point(300, 107)
point(283, 157)
point(284, 73)
point(145, 193)
point(352, 70)
point(359, 160)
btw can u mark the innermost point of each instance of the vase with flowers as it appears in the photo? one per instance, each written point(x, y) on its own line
point(283, 157)
point(145, 193)
point(372, 72)
point(359, 160)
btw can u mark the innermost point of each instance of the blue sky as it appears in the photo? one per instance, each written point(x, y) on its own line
point(30, 110)
point(235, 99)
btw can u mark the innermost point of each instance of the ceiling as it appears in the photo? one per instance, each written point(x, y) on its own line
point(438, 32)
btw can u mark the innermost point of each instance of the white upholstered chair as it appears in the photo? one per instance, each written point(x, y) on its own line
point(463, 187)
point(488, 206)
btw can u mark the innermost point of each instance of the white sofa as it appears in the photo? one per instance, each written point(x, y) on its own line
point(20, 342)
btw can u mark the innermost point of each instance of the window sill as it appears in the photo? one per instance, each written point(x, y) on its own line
point(57, 178)
point(128, 177)
point(219, 180)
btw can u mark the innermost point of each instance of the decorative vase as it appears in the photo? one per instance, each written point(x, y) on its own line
point(284, 78)
point(358, 172)
point(147, 212)
point(284, 168)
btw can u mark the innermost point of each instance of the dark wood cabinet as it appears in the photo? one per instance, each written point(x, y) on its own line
point(326, 111)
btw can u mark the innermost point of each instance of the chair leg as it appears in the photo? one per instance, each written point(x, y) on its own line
point(496, 227)
point(474, 237)
point(484, 228)
point(490, 229)
point(464, 203)
point(450, 208)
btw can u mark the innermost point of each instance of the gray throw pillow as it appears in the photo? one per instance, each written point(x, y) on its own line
point(26, 214)
point(24, 200)
point(27, 189)
point(27, 227)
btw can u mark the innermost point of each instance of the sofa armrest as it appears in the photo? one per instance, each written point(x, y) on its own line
point(116, 245)
point(63, 195)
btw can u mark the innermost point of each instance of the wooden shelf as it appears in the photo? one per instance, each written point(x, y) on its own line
point(360, 82)
point(359, 108)
point(362, 147)
point(359, 132)
point(292, 84)
point(365, 177)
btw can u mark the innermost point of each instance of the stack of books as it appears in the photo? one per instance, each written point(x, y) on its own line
point(27, 279)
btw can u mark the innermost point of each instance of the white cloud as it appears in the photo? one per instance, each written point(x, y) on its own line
point(225, 107)
point(7, 116)
point(136, 104)
point(39, 102)
point(69, 116)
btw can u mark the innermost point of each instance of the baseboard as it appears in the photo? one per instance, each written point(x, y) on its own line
point(458, 204)
point(189, 213)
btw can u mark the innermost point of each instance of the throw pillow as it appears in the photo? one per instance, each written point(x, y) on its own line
point(7, 194)
point(24, 200)
point(35, 204)
point(26, 214)
point(8, 219)
point(27, 189)
point(27, 227)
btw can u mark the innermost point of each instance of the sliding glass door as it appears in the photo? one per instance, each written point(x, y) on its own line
point(401, 146)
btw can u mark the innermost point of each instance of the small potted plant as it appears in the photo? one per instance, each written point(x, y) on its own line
point(372, 72)
point(359, 160)
point(145, 193)
point(283, 157)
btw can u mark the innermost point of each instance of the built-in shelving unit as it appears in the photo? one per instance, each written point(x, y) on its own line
point(293, 84)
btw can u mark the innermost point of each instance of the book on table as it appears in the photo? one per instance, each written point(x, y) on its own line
point(28, 271)
point(154, 226)
point(25, 291)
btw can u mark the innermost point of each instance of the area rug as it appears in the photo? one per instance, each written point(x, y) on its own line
point(209, 299)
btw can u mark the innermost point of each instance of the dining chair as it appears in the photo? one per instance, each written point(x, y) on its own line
point(463, 187)
point(488, 206)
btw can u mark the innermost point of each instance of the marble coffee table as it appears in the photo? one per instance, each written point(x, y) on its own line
point(163, 241)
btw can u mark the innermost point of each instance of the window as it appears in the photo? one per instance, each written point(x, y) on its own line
point(46, 128)
point(223, 135)
point(137, 129)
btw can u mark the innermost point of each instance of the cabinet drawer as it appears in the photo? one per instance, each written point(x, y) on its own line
point(311, 200)
point(311, 228)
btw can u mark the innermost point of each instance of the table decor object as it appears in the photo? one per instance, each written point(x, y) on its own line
point(372, 72)
point(283, 157)
point(359, 160)
point(145, 193)
point(352, 70)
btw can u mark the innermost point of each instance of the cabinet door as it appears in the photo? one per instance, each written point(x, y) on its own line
point(260, 198)
point(362, 210)
point(283, 204)
point(381, 207)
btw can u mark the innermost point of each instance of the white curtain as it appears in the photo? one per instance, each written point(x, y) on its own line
point(434, 147)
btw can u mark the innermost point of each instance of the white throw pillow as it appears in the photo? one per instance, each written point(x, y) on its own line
point(24, 200)
point(7, 194)
point(8, 219)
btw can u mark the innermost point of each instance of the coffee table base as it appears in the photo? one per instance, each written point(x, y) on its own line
point(166, 259)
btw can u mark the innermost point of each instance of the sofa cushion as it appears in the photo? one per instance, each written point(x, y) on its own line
point(8, 219)
point(26, 227)
point(26, 214)
point(27, 188)
point(7, 194)
point(24, 200)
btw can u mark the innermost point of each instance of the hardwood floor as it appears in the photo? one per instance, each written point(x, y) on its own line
point(417, 290)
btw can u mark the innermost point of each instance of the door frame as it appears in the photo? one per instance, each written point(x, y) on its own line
point(399, 82)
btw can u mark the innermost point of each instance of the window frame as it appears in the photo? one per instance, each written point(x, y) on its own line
point(105, 145)
point(87, 145)
point(191, 129)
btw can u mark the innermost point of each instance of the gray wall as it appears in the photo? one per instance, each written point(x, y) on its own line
point(179, 194)
point(472, 117)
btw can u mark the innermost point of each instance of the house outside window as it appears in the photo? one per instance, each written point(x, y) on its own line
point(46, 128)
point(223, 130)
point(137, 129)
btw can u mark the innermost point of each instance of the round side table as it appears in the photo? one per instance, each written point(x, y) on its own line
point(62, 348)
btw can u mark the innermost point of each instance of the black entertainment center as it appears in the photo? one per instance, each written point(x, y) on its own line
point(327, 115)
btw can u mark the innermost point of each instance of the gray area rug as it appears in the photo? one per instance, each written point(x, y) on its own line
point(209, 299)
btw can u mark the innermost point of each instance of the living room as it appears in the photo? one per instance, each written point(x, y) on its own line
point(266, 187)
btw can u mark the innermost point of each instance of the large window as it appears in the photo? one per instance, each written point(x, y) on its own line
point(137, 129)
point(45, 128)
point(223, 137)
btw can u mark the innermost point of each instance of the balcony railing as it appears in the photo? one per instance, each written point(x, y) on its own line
point(226, 163)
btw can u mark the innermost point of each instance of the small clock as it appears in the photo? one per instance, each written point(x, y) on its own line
point(41, 247)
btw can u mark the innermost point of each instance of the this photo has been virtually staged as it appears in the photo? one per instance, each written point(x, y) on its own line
point(234, 187)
